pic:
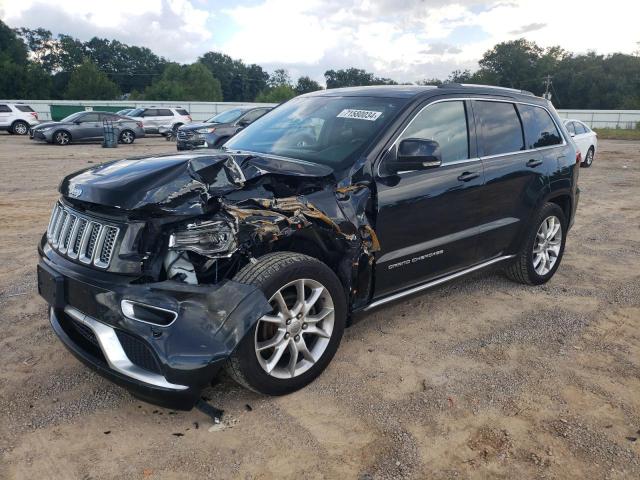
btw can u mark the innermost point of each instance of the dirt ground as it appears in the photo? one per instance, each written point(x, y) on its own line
point(481, 378)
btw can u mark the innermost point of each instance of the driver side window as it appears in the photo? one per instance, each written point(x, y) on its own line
point(446, 123)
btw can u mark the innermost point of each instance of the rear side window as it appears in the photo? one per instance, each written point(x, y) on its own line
point(4, 108)
point(164, 112)
point(571, 128)
point(24, 108)
point(446, 123)
point(500, 126)
point(150, 112)
point(579, 128)
point(182, 111)
point(539, 129)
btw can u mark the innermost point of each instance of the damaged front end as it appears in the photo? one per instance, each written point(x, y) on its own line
point(139, 258)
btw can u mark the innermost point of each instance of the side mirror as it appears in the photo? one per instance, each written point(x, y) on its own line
point(416, 154)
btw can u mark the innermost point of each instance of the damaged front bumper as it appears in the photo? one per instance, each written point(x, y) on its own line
point(164, 364)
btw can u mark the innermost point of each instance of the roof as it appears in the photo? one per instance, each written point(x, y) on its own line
point(409, 91)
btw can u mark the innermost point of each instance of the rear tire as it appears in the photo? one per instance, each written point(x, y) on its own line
point(308, 325)
point(127, 137)
point(588, 159)
point(542, 252)
point(20, 128)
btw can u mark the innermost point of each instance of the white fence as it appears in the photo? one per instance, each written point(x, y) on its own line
point(625, 119)
point(199, 110)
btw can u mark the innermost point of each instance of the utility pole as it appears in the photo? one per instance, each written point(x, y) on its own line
point(547, 86)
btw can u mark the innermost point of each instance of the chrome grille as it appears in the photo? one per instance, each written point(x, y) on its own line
point(182, 135)
point(81, 237)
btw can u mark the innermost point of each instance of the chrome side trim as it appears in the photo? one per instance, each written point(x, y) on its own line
point(433, 283)
point(127, 310)
point(115, 355)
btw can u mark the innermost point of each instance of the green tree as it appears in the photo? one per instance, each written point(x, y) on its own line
point(354, 77)
point(279, 78)
point(239, 82)
point(185, 82)
point(277, 94)
point(87, 82)
point(306, 85)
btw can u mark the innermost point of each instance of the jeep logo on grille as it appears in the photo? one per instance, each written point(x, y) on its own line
point(75, 191)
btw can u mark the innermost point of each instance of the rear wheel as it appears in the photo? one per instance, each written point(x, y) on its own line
point(127, 137)
point(20, 128)
point(292, 344)
point(542, 252)
point(61, 137)
point(588, 159)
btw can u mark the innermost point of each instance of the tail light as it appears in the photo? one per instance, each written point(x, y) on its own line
point(139, 124)
point(35, 115)
point(189, 117)
point(578, 158)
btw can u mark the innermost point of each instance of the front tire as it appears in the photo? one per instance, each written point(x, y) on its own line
point(290, 346)
point(20, 128)
point(62, 137)
point(542, 252)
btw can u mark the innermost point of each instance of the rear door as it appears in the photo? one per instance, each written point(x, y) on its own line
point(427, 219)
point(164, 117)
point(5, 115)
point(510, 141)
point(582, 138)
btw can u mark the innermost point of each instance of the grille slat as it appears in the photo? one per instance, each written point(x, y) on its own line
point(79, 237)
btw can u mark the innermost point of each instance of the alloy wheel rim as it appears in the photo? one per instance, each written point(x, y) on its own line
point(589, 157)
point(126, 137)
point(62, 138)
point(21, 129)
point(546, 248)
point(291, 338)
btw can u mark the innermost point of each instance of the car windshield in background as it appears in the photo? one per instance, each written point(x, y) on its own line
point(136, 112)
point(72, 117)
point(330, 131)
point(227, 116)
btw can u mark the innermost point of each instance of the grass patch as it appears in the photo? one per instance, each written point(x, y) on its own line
point(617, 134)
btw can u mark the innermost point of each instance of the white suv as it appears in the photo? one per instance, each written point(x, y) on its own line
point(17, 118)
point(153, 118)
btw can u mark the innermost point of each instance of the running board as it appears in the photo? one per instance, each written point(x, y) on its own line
point(433, 283)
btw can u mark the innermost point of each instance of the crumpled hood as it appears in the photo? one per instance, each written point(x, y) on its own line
point(195, 126)
point(180, 184)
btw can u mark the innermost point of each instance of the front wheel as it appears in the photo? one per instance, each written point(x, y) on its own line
point(292, 344)
point(542, 252)
point(61, 137)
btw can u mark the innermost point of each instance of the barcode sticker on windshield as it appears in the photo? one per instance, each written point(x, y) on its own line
point(360, 114)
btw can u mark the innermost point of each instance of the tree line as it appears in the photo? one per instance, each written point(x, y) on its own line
point(35, 64)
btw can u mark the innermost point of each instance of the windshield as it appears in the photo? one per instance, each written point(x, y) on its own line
point(72, 117)
point(227, 116)
point(330, 131)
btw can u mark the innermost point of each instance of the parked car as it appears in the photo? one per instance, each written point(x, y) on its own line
point(87, 125)
point(585, 138)
point(160, 272)
point(17, 118)
point(155, 117)
point(125, 112)
point(218, 129)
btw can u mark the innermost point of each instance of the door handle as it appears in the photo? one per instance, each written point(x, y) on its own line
point(533, 163)
point(466, 176)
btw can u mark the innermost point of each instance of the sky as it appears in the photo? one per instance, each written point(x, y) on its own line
point(407, 40)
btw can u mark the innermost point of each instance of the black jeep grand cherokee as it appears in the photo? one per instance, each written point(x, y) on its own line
point(161, 271)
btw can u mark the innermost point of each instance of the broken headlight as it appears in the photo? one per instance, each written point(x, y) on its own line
point(208, 238)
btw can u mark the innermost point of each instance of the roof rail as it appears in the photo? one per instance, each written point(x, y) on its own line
point(456, 85)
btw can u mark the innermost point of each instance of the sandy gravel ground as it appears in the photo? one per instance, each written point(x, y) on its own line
point(482, 378)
